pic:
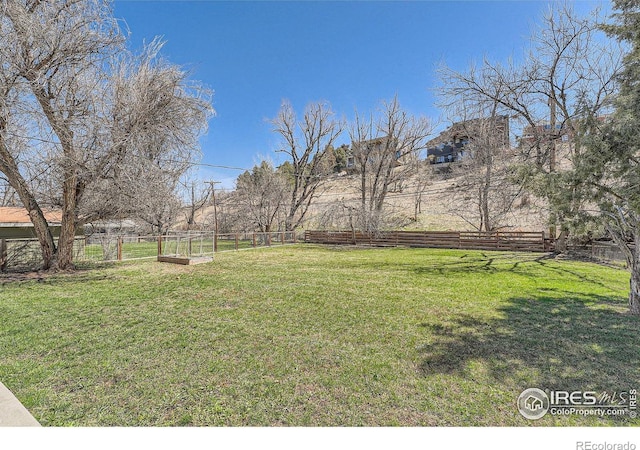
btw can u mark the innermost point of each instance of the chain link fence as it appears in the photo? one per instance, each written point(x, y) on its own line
point(600, 250)
point(19, 255)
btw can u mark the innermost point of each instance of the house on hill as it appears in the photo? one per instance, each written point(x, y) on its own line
point(16, 224)
point(374, 150)
point(449, 146)
point(544, 133)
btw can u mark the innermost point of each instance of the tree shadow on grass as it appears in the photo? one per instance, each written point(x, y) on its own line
point(554, 339)
point(492, 263)
point(78, 275)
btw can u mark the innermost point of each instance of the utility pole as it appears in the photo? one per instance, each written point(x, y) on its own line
point(215, 214)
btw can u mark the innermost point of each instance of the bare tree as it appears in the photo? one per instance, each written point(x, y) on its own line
point(228, 213)
point(198, 195)
point(308, 144)
point(96, 121)
point(8, 196)
point(566, 66)
point(384, 149)
point(161, 208)
point(422, 178)
point(261, 196)
point(485, 191)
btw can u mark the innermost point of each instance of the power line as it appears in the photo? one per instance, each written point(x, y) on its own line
point(219, 166)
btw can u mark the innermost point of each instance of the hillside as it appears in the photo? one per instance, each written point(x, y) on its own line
point(442, 206)
point(449, 201)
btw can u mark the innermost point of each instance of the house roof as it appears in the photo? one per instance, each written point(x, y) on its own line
point(19, 217)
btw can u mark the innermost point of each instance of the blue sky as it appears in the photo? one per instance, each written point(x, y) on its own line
point(352, 54)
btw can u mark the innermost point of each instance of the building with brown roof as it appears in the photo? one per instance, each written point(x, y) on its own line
point(16, 224)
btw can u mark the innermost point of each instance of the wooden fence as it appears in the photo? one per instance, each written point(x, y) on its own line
point(523, 241)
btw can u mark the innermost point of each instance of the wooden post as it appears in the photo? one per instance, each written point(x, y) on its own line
point(295, 238)
point(254, 239)
point(282, 238)
point(159, 245)
point(120, 249)
point(190, 247)
point(215, 242)
point(236, 241)
point(268, 239)
point(3, 255)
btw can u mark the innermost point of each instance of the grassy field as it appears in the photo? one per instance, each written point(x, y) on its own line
point(306, 335)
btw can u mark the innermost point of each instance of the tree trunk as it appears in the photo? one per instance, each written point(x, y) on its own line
point(9, 167)
point(634, 284)
point(64, 257)
point(43, 233)
point(634, 291)
point(561, 242)
point(486, 186)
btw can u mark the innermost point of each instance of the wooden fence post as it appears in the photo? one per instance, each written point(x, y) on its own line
point(3, 255)
point(120, 249)
point(254, 239)
point(236, 241)
point(159, 246)
point(268, 239)
point(282, 238)
point(215, 242)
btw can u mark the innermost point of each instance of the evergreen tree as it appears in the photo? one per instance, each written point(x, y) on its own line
point(608, 170)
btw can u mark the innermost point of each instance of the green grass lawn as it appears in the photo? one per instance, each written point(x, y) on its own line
point(306, 335)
